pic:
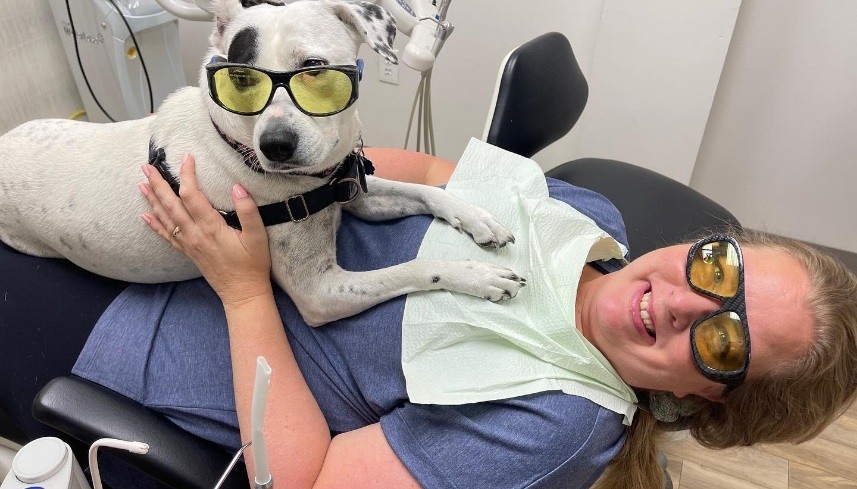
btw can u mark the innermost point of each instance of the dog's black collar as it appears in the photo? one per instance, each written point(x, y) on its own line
point(347, 180)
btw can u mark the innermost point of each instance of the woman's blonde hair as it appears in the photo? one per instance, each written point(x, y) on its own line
point(790, 404)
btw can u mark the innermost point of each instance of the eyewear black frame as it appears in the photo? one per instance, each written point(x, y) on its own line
point(281, 79)
point(736, 304)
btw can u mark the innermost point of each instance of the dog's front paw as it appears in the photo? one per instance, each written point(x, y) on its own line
point(491, 282)
point(482, 226)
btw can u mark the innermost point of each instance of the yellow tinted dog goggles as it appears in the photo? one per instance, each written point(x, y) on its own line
point(317, 91)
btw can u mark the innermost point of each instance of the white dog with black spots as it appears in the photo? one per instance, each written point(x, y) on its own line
point(69, 188)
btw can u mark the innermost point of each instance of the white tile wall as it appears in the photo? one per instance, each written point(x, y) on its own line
point(35, 79)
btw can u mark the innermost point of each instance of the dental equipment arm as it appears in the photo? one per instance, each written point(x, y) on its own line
point(201, 10)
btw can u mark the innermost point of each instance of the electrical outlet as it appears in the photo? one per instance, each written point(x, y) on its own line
point(388, 72)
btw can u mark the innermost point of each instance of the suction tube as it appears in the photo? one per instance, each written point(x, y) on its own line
point(263, 478)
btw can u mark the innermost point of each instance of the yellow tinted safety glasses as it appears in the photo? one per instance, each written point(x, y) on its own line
point(317, 91)
point(720, 340)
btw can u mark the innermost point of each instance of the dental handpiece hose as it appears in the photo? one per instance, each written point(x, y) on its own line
point(263, 478)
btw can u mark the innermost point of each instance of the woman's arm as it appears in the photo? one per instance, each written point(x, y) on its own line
point(409, 166)
point(237, 265)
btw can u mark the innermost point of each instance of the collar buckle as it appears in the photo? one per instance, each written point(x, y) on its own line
point(353, 185)
point(303, 203)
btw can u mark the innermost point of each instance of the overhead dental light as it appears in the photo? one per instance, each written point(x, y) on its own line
point(423, 21)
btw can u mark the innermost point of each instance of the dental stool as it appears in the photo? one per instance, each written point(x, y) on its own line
point(540, 96)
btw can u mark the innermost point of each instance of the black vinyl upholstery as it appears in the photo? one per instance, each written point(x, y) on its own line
point(657, 210)
point(541, 94)
point(87, 412)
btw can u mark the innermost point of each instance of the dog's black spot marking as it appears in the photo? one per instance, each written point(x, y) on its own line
point(253, 3)
point(435, 279)
point(370, 11)
point(341, 289)
point(245, 46)
point(387, 53)
point(391, 33)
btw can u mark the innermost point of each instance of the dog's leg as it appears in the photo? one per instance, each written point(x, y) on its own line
point(389, 199)
point(324, 292)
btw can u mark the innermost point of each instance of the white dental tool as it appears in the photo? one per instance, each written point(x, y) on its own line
point(263, 478)
point(48, 463)
point(131, 446)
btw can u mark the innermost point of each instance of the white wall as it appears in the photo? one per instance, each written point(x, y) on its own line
point(652, 68)
point(32, 50)
point(466, 70)
point(655, 72)
point(780, 147)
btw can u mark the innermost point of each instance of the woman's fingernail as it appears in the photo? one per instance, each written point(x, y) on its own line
point(145, 169)
point(238, 191)
point(185, 158)
point(144, 190)
point(147, 218)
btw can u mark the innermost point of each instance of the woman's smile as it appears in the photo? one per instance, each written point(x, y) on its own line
point(641, 317)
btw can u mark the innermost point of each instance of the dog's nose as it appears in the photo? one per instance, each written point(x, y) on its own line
point(278, 145)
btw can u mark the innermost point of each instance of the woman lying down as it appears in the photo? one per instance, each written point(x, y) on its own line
point(744, 337)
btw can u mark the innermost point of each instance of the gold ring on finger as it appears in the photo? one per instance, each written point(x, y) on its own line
point(176, 232)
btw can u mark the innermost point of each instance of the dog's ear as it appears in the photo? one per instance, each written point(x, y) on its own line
point(226, 10)
point(371, 23)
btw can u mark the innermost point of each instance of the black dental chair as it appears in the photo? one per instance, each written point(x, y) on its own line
point(543, 74)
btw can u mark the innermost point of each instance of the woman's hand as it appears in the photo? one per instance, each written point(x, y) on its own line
point(237, 264)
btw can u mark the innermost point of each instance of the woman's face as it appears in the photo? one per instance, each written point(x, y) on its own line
point(608, 310)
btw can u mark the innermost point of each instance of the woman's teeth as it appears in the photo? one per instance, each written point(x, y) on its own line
point(644, 314)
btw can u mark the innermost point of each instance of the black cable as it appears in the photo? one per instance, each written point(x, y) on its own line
point(83, 72)
point(80, 63)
